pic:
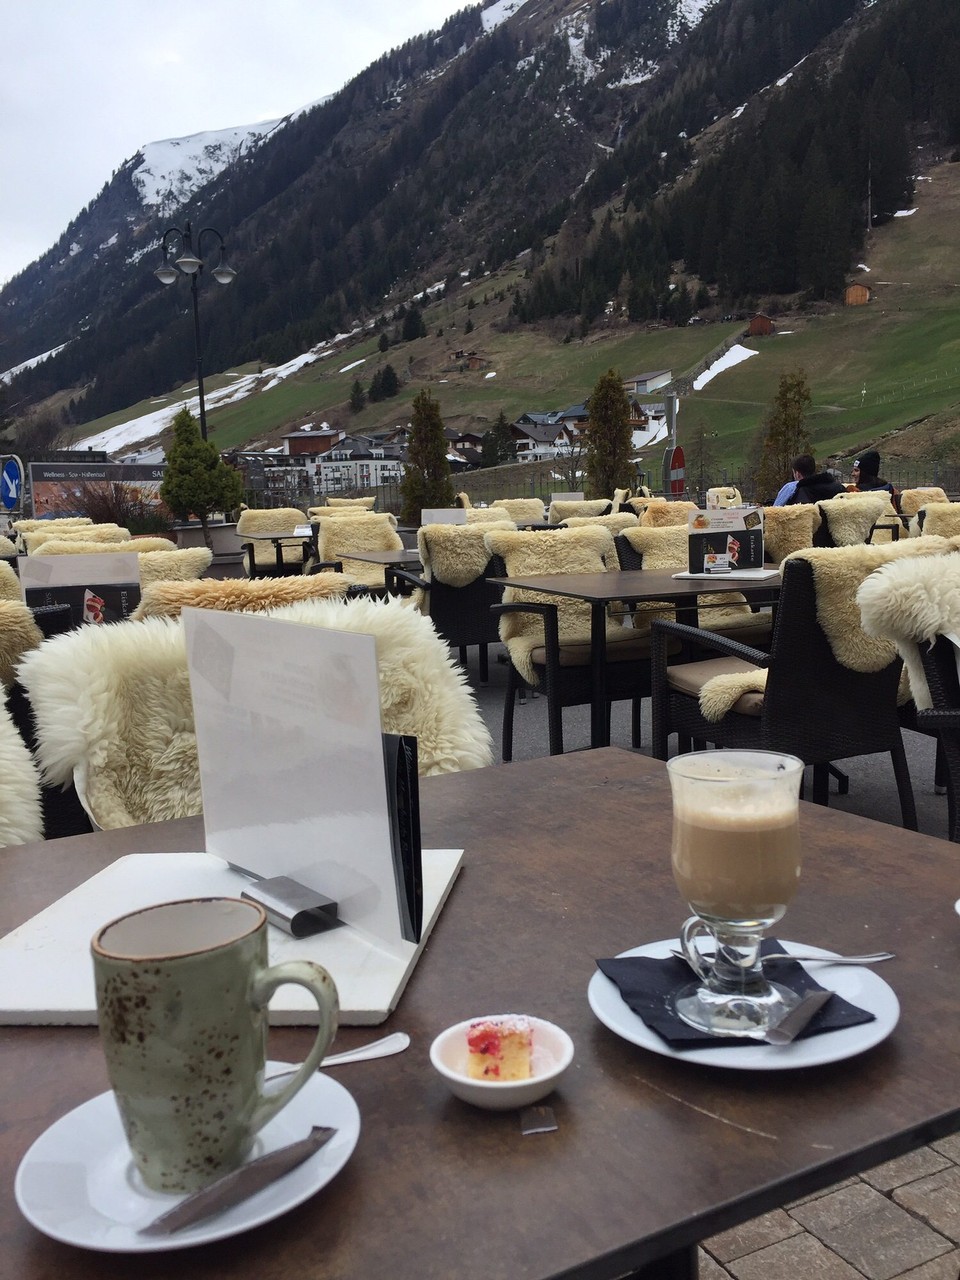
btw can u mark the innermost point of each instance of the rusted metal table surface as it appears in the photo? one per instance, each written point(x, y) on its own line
point(566, 860)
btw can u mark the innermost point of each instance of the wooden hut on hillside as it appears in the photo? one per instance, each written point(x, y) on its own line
point(760, 326)
point(856, 295)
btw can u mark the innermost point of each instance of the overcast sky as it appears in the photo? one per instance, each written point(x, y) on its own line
point(85, 83)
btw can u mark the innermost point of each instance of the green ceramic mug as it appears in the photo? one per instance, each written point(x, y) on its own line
point(182, 992)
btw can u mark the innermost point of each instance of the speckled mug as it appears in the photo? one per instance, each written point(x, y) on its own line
point(182, 992)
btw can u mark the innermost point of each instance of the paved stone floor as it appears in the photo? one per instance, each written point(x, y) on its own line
point(899, 1221)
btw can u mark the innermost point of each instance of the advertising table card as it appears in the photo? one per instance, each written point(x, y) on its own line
point(98, 588)
point(725, 540)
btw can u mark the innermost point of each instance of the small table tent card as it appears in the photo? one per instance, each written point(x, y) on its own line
point(443, 515)
point(98, 588)
point(308, 809)
point(725, 540)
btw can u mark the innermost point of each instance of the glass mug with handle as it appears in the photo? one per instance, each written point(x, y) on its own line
point(736, 861)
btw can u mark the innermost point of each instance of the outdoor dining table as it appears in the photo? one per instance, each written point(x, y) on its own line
point(302, 534)
point(403, 556)
point(631, 586)
point(567, 860)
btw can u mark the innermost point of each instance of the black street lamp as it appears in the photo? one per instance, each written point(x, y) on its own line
point(187, 263)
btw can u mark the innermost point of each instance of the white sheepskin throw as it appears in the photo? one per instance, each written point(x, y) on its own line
point(838, 573)
point(639, 502)
point(724, 496)
point(911, 500)
point(912, 600)
point(18, 635)
point(463, 499)
point(9, 583)
point(522, 510)
point(565, 551)
point(488, 515)
point(115, 702)
point(367, 503)
point(82, 533)
point(616, 521)
point(58, 522)
point(455, 554)
point(851, 518)
point(78, 547)
point(721, 694)
point(7, 548)
point(939, 518)
point(658, 516)
point(236, 595)
point(619, 498)
point(21, 819)
point(787, 529)
point(666, 548)
point(561, 510)
point(422, 691)
point(366, 532)
point(271, 520)
point(175, 565)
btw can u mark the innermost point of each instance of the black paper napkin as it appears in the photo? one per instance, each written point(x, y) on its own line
point(646, 985)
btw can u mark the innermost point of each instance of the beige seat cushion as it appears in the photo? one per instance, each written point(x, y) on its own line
point(691, 677)
point(628, 647)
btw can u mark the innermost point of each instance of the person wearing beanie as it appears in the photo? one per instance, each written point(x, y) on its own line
point(866, 474)
point(812, 485)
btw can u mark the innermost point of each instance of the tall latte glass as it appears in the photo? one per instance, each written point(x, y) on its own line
point(736, 861)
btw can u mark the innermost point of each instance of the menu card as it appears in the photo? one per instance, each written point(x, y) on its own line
point(98, 588)
point(725, 540)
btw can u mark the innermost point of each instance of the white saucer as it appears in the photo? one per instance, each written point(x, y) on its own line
point(859, 985)
point(78, 1184)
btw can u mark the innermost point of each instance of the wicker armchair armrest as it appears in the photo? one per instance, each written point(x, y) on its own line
point(936, 718)
point(400, 582)
point(551, 629)
point(662, 630)
point(319, 566)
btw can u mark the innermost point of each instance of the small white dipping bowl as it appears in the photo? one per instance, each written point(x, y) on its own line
point(552, 1054)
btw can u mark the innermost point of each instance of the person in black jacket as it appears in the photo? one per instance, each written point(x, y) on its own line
point(866, 476)
point(813, 485)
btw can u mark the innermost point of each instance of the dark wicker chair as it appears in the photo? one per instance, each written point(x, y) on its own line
point(813, 706)
point(939, 660)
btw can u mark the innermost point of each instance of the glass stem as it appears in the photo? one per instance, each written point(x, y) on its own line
point(737, 968)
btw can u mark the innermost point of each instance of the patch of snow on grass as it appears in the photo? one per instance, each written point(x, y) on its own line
point(499, 12)
point(736, 355)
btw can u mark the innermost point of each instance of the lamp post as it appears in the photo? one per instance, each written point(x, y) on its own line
point(179, 242)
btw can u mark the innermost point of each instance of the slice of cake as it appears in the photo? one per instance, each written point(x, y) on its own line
point(500, 1048)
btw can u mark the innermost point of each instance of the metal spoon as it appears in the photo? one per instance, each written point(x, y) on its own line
point(874, 958)
point(790, 1027)
point(396, 1042)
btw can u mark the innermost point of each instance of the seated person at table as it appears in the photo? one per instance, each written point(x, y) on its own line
point(866, 476)
point(812, 485)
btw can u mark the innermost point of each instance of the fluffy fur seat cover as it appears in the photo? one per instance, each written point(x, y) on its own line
point(463, 499)
point(7, 547)
point(912, 600)
point(616, 521)
point(787, 529)
point(941, 518)
point(181, 565)
point(640, 501)
point(666, 548)
point(367, 503)
point(36, 538)
point(488, 515)
point(658, 516)
point(9, 584)
point(236, 595)
point(455, 554)
point(272, 520)
point(911, 500)
point(18, 635)
point(368, 531)
point(583, 550)
point(561, 510)
point(422, 691)
point(521, 510)
point(21, 819)
point(850, 517)
point(57, 522)
point(619, 498)
point(724, 496)
point(130, 734)
point(81, 547)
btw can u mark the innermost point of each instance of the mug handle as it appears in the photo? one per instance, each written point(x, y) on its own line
point(693, 928)
point(302, 973)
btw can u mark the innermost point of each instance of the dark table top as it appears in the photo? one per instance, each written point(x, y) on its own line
point(637, 584)
point(566, 860)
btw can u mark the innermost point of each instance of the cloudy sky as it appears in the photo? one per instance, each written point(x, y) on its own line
point(85, 83)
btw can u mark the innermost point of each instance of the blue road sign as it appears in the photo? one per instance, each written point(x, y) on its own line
point(11, 484)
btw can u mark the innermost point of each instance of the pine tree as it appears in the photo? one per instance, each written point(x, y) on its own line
point(426, 471)
point(506, 445)
point(357, 397)
point(196, 480)
point(609, 438)
point(785, 434)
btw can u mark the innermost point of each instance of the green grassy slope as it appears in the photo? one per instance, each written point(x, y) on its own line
point(873, 370)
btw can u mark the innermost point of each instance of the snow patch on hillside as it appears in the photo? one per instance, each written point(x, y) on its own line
point(499, 12)
point(736, 355)
point(174, 169)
